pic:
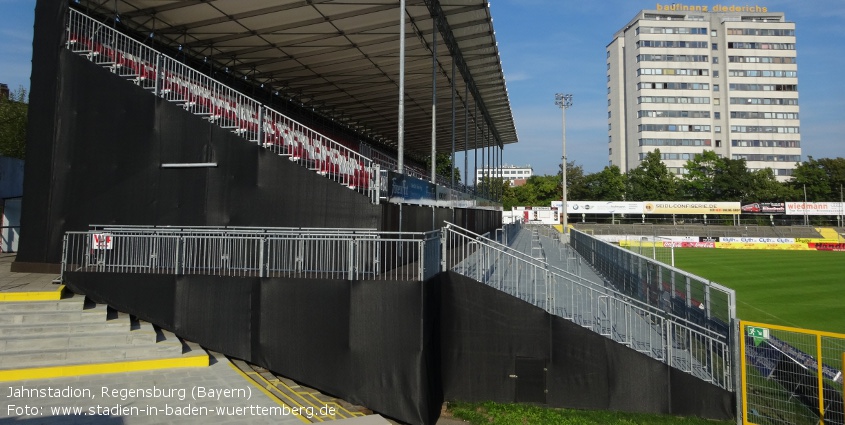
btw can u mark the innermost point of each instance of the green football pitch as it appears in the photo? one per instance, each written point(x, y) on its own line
point(803, 289)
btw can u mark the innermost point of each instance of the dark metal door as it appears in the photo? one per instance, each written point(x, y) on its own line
point(530, 380)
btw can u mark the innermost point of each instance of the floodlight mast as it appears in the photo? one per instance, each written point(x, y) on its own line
point(564, 102)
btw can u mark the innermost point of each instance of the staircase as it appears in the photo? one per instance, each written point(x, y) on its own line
point(74, 336)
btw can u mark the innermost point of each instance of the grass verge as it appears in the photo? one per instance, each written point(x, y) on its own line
point(521, 414)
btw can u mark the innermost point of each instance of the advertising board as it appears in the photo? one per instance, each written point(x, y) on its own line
point(663, 207)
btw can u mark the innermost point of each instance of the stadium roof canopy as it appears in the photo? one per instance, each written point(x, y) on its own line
point(341, 58)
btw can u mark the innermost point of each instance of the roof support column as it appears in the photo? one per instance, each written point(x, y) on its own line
point(475, 148)
point(501, 173)
point(485, 158)
point(434, 101)
point(466, 138)
point(452, 167)
point(492, 171)
point(400, 168)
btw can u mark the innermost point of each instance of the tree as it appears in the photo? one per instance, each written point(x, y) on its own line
point(650, 181)
point(697, 184)
point(538, 191)
point(488, 186)
point(813, 176)
point(443, 166)
point(576, 188)
point(732, 181)
point(765, 187)
point(606, 185)
point(13, 118)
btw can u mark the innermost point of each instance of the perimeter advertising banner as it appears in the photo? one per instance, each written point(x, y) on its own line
point(717, 208)
point(544, 215)
point(815, 208)
point(602, 207)
point(764, 208)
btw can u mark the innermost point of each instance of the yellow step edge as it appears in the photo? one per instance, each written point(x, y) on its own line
point(264, 390)
point(102, 368)
point(32, 296)
point(306, 395)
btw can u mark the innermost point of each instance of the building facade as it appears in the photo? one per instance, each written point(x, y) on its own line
point(506, 172)
point(686, 79)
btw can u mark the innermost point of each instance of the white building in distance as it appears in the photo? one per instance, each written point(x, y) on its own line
point(506, 172)
point(685, 79)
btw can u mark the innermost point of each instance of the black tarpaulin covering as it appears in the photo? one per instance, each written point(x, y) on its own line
point(484, 332)
point(48, 34)
point(111, 139)
point(369, 342)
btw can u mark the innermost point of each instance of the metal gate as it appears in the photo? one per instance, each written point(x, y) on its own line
point(791, 375)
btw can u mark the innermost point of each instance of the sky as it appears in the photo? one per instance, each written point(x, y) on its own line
point(558, 46)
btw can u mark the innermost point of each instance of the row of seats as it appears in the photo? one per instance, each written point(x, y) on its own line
point(281, 134)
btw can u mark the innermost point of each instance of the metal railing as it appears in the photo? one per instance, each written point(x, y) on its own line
point(198, 93)
point(683, 345)
point(302, 253)
point(682, 294)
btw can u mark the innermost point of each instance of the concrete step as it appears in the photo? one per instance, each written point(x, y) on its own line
point(71, 303)
point(141, 334)
point(121, 323)
point(96, 313)
point(64, 357)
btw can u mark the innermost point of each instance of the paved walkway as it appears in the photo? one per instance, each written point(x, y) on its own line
point(23, 282)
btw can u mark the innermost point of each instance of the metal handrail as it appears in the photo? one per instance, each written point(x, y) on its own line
point(200, 94)
point(649, 330)
point(353, 255)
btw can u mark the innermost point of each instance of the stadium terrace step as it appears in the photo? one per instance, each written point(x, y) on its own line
point(75, 337)
point(97, 313)
point(72, 303)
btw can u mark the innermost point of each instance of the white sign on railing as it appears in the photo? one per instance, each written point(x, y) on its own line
point(101, 241)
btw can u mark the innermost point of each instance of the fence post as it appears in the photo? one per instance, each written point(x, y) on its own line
point(422, 258)
point(443, 244)
point(351, 260)
point(158, 76)
point(261, 258)
point(64, 257)
point(375, 186)
point(260, 134)
point(180, 254)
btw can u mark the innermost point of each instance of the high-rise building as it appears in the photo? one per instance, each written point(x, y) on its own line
point(685, 79)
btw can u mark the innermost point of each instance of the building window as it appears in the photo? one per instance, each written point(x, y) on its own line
point(608, 114)
point(717, 101)
point(608, 78)
point(608, 90)
point(714, 46)
point(608, 53)
point(715, 59)
point(717, 115)
point(608, 66)
point(610, 151)
point(715, 74)
point(609, 139)
point(715, 87)
point(718, 143)
point(718, 128)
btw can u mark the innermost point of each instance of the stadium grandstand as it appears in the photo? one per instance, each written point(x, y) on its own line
point(259, 178)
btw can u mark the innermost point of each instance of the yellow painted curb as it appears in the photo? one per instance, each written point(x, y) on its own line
point(32, 296)
point(102, 368)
